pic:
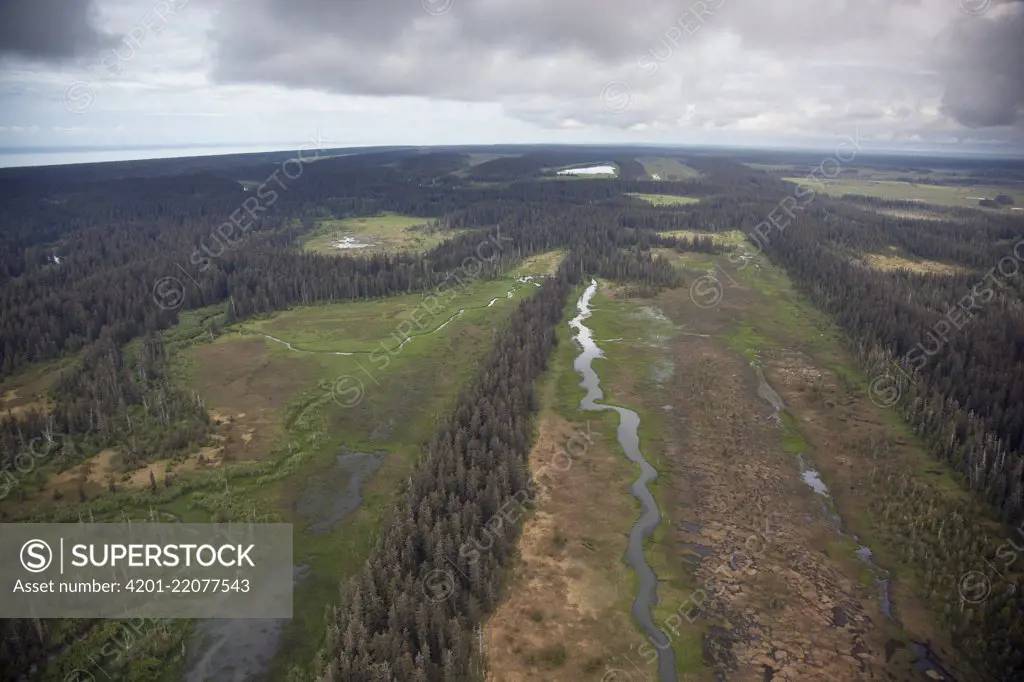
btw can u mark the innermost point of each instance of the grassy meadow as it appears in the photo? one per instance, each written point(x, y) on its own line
point(286, 418)
point(941, 195)
point(385, 233)
point(665, 199)
point(667, 168)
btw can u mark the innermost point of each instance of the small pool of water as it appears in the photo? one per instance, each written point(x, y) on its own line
point(349, 243)
point(813, 479)
point(591, 170)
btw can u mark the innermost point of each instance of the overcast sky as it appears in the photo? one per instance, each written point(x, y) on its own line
point(272, 73)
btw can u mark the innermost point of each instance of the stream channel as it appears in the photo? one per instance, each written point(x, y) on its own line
point(650, 515)
point(926, 661)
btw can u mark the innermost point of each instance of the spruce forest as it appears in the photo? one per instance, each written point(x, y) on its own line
point(118, 281)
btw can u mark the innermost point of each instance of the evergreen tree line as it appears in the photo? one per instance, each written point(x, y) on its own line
point(117, 396)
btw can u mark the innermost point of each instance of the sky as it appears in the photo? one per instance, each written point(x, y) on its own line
point(273, 74)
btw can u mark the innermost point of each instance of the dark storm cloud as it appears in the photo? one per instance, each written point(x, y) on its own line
point(985, 77)
point(50, 30)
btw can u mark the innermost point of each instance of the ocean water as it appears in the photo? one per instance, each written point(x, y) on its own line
point(11, 157)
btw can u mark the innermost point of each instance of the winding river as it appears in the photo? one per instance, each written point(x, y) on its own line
point(650, 516)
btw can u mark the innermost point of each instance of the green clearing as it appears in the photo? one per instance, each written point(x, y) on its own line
point(665, 199)
point(893, 259)
point(385, 233)
point(692, 260)
point(477, 158)
point(733, 238)
point(541, 264)
point(783, 318)
point(27, 389)
point(941, 195)
point(379, 402)
point(285, 416)
point(667, 168)
point(360, 327)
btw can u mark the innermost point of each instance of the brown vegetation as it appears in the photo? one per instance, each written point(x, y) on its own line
point(569, 587)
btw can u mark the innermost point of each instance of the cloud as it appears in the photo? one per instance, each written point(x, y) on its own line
point(804, 65)
point(215, 114)
point(686, 71)
point(984, 75)
point(50, 30)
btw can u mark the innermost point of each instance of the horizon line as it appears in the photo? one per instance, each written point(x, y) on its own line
point(283, 147)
